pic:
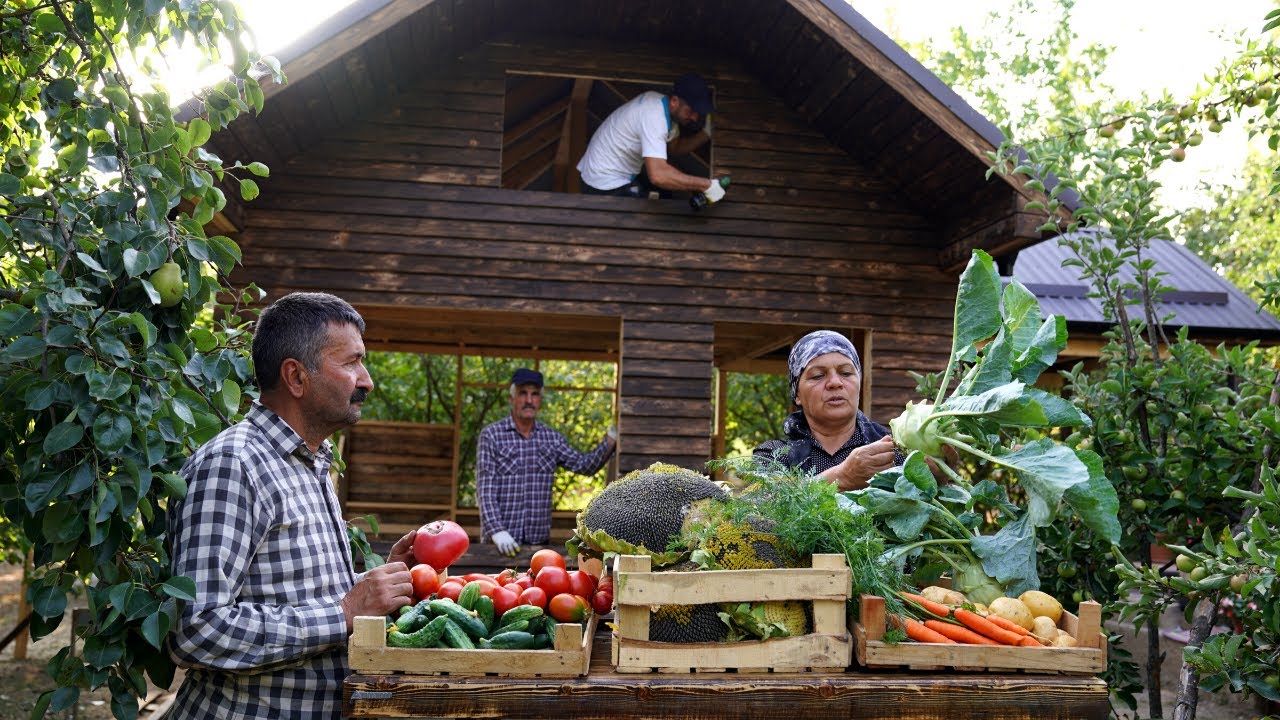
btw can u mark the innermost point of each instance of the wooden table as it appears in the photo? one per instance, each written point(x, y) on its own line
point(606, 695)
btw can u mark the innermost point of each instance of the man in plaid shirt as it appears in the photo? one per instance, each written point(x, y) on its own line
point(261, 533)
point(515, 464)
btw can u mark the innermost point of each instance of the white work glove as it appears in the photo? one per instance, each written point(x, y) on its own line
point(506, 544)
point(715, 192)
point(612, 433)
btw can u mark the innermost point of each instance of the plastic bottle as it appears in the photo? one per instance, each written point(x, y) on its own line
point(699, 200)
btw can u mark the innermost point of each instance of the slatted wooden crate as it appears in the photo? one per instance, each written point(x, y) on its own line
point(570, 656)
point(637, 589)
point(1087, 658)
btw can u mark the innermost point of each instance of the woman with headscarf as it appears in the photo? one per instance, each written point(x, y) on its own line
point(829, 436)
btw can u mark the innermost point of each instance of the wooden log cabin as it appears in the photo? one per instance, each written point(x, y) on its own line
point(422, 166)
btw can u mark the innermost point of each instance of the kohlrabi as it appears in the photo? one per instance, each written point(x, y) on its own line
point(1000, 346)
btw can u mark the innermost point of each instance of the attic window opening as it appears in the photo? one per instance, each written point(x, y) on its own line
point(548, 121)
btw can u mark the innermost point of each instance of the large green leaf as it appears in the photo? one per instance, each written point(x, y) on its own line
point(180, 587)
point(1009, 404)
point(24, 348)
point(1009, 556)
point(1045, 470)
point(101, 652)
point(1095, 500)
point(977, 315)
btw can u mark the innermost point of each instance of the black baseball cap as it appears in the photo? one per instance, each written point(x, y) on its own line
point(525, 376)
point(693, 89)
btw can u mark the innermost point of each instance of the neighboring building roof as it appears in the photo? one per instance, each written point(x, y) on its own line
point(1203, 301)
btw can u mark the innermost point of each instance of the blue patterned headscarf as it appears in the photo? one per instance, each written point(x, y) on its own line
point(818, 342)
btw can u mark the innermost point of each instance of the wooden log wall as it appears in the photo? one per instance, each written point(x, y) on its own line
point(402, 206)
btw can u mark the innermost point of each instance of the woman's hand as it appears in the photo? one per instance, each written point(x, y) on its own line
point(857, 469)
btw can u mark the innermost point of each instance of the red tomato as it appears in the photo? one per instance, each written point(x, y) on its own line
point(440, 543)
point(567, 607)
point(581, 583)
point(425, 581)
point(534, 596)
point(524, 581)
point(454, 580)
point(480, 576)
point(503, 600)
point(450, 590)
point(545, 557)
point(553, 580)
point(602, 602)
point(506, 577)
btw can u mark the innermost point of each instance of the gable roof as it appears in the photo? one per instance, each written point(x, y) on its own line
point(824, 61)
point(1203, 300)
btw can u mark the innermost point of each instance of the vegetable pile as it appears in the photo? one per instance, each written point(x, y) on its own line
point(1000, 346)
point(508, 611)
point(1030, 620)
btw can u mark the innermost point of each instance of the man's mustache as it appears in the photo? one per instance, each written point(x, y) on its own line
point(359, 395)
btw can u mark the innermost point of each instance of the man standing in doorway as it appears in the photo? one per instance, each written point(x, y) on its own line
point(515, 465)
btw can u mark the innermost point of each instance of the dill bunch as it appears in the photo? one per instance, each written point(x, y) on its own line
point(808, 517)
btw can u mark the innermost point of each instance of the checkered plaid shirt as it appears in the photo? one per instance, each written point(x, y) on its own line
point(261, 533)
point(514, 476)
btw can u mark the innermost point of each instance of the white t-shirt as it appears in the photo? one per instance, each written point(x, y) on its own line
point(639, 129)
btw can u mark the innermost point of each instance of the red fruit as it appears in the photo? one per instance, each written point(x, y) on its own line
point(425, 581)
point(602, 602)
point(524, 581)
point(567, 607)
point(503, 600)
point(506, 577)
point(534, 596)
point(480, 576)
point(450, 590)
point(553, 581)
point(440, 543)
point(582, 583)
point(545, 557)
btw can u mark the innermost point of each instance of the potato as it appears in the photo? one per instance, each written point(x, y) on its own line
point(1013, 610)
point(1042, 604)
point(981, 609)
point(1064, 640)
point(1044, 630)
point(946, 596)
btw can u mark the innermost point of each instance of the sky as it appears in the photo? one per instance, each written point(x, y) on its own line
point(1159, 45)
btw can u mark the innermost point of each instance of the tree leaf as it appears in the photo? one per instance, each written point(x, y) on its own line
point(248, 189)
point(101, 652)
point(154, 628)
point(180, 587)
point(63, 436)
point(24, 348)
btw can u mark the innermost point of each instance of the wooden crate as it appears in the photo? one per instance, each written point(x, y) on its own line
point(1087, 658)
point(636, 589)
point(570, 657)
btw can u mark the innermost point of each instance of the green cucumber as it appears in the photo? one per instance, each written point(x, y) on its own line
point(541, 641)
point(484, 610)
point(413, 619)
point(470, 593)
point(518, 613)
point(454, 636)
point(426, 637)
point(522, 625)
point(464, 619)
point(514, 640)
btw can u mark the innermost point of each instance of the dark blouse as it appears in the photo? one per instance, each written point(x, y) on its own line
point(801, 451)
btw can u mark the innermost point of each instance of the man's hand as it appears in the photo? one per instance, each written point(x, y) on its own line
point(952, 459)
point(716, 192)
point(506, 544)
point(379, 591)
point(612, 435)
point(402, 551)
point(857, 469)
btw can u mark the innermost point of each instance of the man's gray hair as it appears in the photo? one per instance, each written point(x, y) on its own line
point(297, 326)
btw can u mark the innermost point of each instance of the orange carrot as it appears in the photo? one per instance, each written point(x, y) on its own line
point(1008, 625)
point(918, 632)
point(1030, 641)
point(985, 627)
point(959, 633)
point(930, 606)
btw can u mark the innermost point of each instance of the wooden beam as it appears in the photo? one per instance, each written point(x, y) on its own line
point(543, 115)
point(572, 139)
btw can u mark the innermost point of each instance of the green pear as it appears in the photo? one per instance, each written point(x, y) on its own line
point(168, 282)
